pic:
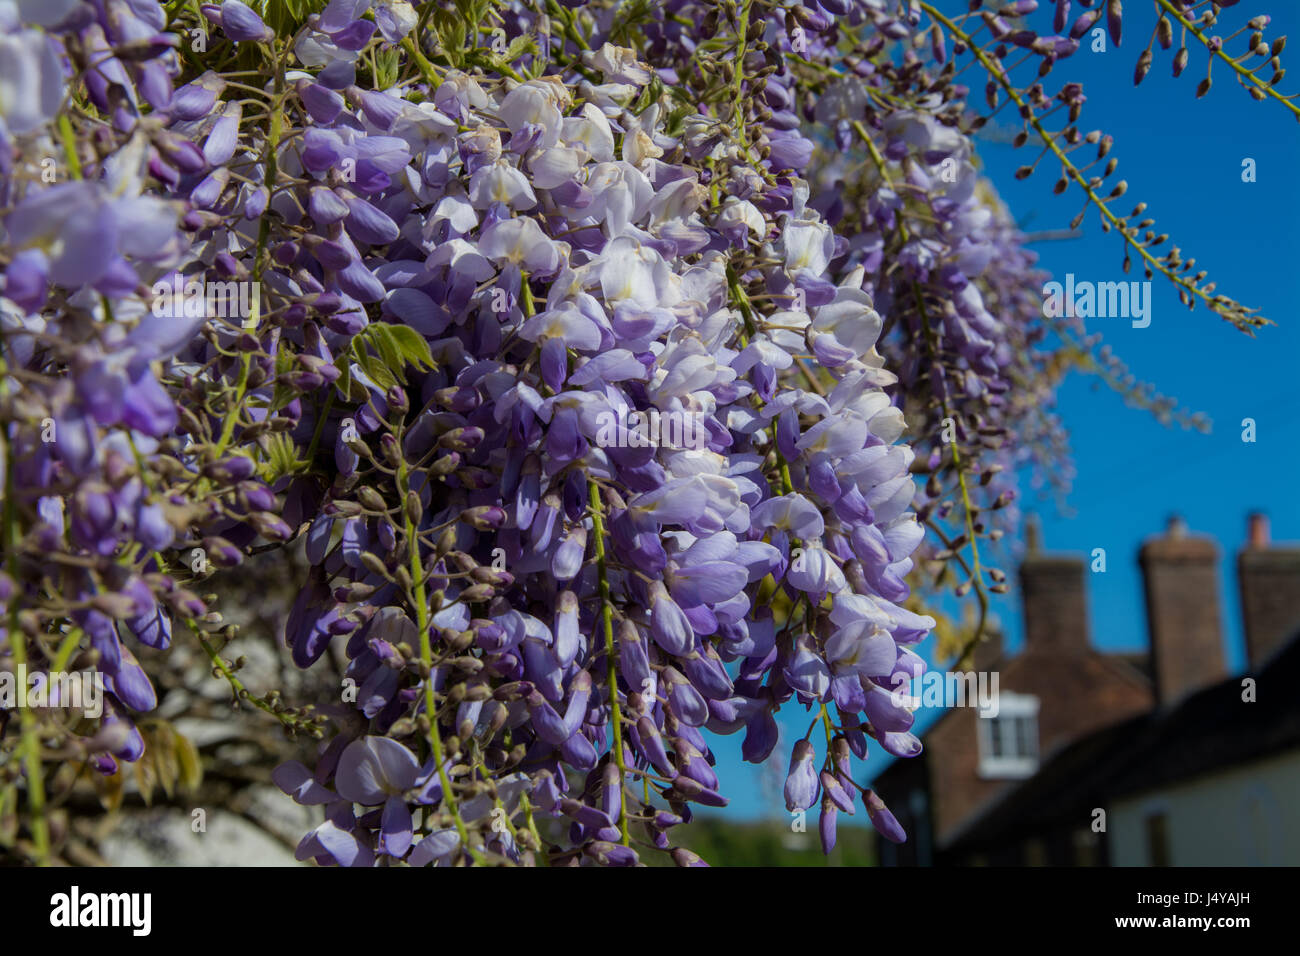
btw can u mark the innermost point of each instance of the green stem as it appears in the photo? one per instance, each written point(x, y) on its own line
point(69, 139)
point(421, 602)
point(570, 23)
point(1000, 76)
point(738, 98)
point(1240, 70)
point(70, 642)
point(275, 130)
point(29, 743)
point(241, 692)
point(427, 69)
point(968, 508)
point(611, 657)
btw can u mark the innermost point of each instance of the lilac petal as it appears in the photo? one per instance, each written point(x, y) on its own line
point(616, 365)
point(397, 828)
point(862, 648)
point(549, 725)
point(887, 710)
point(417, 310)
point(368, 224)
point(147, 406)
point(438, 845)
point(709, 583)
point(323, 104)
point(807, 673)
point(652, 745)
point(580, 752)
point(193, 100)
point(131, 684)
point(154, 628)
point(568, 641)
point(354, 36)
point(668, 624)
point(761, 736)
point(708, 676)
point(297, 781)
point(900, 744)
point(240, 23)
point(373, 768)
point(339, 13)
point(687, 704)
point(793, 513)
point(26, 278)
point(341, 845)
point(542, 669)
point(321, 149)
point(222, 140)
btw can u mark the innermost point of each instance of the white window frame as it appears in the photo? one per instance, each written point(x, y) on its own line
point(1011, 763)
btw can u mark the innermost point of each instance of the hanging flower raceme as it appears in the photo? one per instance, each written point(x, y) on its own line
point(590, 385)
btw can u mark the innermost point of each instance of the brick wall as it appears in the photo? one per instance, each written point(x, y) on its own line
point(1181, 577)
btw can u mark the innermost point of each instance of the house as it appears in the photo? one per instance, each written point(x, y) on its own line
point(1171, 762)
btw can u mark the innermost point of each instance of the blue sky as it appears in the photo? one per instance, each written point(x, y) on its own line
point(1183, 157)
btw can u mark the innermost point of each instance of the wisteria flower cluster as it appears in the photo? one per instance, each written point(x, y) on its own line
point(606, 362)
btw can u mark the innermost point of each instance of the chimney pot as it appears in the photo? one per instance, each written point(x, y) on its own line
point(1258, 531)
point(1033, 534)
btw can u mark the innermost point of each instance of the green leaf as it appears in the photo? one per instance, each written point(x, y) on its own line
point(191, 765)
point(349, 388)
point(281, 458)
point(383, 342)
point(649, 96)
point(387, 66)
point(285, 17)
point(519, 46)
point(374, 367)
point(412, 346)
point(283, 394)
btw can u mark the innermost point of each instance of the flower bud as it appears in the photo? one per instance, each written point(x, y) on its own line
point(270, 526)
point(826, 825)
point(229, 470)
point(485, 518)
point(684, 857)
point(801, 781)
point(444, 465)
point(414, 511)
point(221, 552)
point(884, 821)
point(516, 690)
point(371, 499)
point(476, 593)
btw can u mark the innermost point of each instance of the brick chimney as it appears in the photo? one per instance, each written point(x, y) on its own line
point(1269, 578)
point(1182, 594)
point(1055, 602)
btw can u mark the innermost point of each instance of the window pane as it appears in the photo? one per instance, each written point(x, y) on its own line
point(1026, 742)
point(992, 736)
